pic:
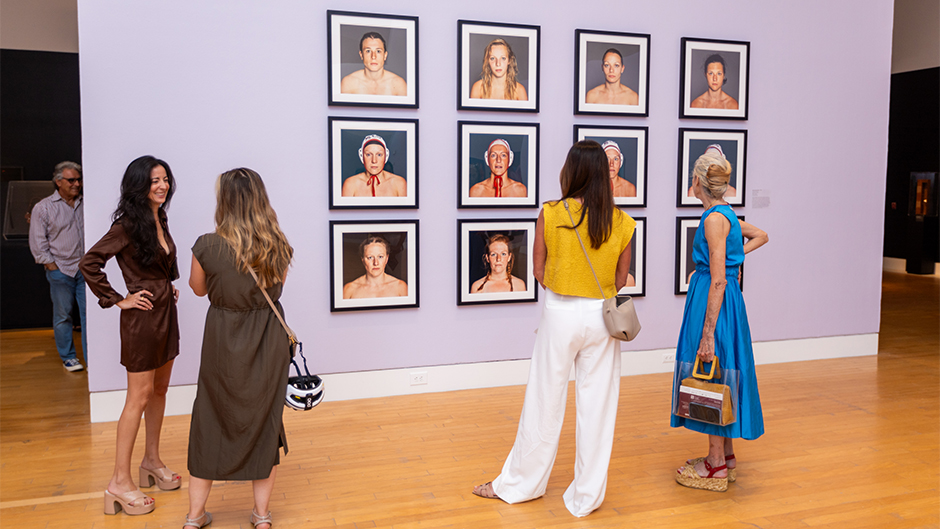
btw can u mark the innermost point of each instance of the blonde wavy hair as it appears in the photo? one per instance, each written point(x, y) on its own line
point(245, 219)
point(512, 69)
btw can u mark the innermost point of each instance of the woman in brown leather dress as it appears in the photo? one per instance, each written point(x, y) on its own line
point(145, 252)
point(237, 430)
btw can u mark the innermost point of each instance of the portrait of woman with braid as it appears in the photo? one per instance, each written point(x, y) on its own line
point(498, 259)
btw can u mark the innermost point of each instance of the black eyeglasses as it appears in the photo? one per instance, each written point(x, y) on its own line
point(73, 180)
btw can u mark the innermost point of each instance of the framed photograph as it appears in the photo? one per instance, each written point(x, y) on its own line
point(498, 66)
point(685, 265)
point(372, 59)
point(373, 265)
point(626, 149)
point(494, 261)
point(713, 79)
point(373, 163)
point(636, 281)
point(693, 143)
point(611, 73)
point(497, 165)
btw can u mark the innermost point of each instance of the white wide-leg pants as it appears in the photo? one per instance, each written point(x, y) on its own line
point(571, 331)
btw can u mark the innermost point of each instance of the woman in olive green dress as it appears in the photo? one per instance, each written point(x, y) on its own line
point(237, 429)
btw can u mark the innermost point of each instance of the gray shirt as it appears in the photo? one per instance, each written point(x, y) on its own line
point(57, 232)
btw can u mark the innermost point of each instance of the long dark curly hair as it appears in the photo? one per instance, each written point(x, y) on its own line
point(134, 211)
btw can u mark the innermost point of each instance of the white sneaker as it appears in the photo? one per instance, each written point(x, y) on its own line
point(72, 364)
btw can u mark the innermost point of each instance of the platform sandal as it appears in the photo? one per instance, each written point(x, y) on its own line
point(164, 478)
point(690, 478)
point(732, 472)
point(114, 503)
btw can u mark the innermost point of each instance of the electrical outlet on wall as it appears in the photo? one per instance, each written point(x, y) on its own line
point(669, 358)
point(419, 378)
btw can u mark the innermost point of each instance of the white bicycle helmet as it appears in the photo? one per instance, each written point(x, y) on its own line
point(304, 391)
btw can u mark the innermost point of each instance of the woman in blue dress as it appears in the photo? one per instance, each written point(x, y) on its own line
point(715, 324)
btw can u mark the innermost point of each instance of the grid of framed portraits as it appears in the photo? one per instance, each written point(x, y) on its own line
point(626, 149)
point(685, 265)
point(497, 66)
point(497, 164)
point(693, 143)
point(494, 261)
point(611, 73)
point(372, 59)
point(713, 79)
point(373, 163)
point(636, 281)
point(373, 264)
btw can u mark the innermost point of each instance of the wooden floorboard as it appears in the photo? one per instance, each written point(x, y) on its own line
point(851, 442)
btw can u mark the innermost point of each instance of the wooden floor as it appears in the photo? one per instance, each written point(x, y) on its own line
point(850, 443)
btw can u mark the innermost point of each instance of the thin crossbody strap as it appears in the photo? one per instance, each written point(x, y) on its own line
point(565, 202)
point(290, 333)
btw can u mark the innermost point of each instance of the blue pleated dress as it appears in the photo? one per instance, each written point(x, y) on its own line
point(732, 335)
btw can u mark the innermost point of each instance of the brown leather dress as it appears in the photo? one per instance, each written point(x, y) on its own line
point(149, 338)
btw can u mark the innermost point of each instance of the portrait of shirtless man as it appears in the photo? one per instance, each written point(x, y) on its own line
point(612, 92)
point(375, 283)
point(715, 96)
point(373, 78)
point(375, 181)
point(498, 157)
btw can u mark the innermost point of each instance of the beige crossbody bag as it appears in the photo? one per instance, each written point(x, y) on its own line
point(619, 313)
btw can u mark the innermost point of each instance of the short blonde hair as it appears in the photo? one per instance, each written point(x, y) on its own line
point(713, 172)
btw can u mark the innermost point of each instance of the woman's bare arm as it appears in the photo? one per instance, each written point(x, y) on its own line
point(623, 267)
point(197, 278)
point(540, 251)
point(716, 228)
point(755, 236)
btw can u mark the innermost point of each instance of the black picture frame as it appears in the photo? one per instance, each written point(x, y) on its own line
point(692, 144)
point(524, 41)
point(472, 277)
point(590, 52)
point(637, 261)
point(685, 234)
point(474, 140)
point(736, 56)
point(633, 144)
point(344, 31)
point(401, 262)
point(346, 138)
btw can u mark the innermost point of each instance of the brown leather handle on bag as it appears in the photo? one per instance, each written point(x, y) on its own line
point(715, 371)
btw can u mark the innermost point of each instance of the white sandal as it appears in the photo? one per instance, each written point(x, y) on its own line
point(197, 522)
point(257, 519)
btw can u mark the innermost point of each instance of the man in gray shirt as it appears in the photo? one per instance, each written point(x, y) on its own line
point(57, 241)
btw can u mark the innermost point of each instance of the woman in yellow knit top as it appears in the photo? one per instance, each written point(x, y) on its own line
point(572, 331)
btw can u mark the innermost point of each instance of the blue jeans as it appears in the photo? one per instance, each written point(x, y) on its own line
point(65, 291)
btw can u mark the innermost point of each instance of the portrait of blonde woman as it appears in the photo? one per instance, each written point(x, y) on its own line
point(498, 76)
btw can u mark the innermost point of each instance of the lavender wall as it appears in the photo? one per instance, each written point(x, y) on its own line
point(213, 85)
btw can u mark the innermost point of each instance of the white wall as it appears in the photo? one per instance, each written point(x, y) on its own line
point(213, 85)
point(916, 39)
point(39, 25)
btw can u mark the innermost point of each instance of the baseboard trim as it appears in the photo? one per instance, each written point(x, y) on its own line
point(107, 405)
point(893, 264)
